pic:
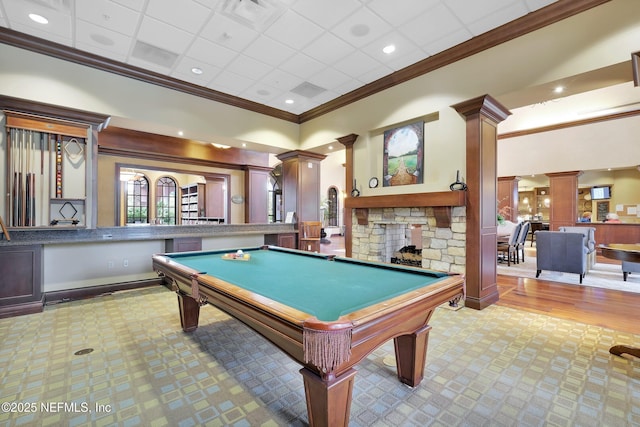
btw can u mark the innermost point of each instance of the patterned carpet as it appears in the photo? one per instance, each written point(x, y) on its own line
point(495, 367)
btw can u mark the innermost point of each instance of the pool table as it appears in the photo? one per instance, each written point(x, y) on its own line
point(325, 312)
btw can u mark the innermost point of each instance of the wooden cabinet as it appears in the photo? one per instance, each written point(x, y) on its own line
point(284, 240)
point(192, 203)
point(202, 203)
point(21, 273)
point(542, 204)
point(309, 236)
point(47, 176)
point(183, 244)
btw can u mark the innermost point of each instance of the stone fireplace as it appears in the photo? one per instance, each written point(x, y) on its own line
point(387, 230)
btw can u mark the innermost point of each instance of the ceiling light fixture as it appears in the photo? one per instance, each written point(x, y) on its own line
point(196, 70)
point(38, 18)
point(289, 101)
point(559, 89)
point(180, 133)
point(389, 49)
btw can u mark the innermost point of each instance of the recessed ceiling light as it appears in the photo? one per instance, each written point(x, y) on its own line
point(389, 49)
point(289, 101)
point(196, 70)
point(559, 89)
point(38, 18)
point(180, 133)
point(331, 147)
point(244, 144)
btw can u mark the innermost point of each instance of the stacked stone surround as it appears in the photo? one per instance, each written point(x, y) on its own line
point(443, 249)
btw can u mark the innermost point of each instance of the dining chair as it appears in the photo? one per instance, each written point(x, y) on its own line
point(522, 239)
point(509, 248)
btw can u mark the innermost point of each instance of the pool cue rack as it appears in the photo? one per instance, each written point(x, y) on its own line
point(46, 171)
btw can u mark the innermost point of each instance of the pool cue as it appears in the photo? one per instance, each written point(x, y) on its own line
point(20, 186)
point(27, 184)
point(11, 176)
point(31, 201)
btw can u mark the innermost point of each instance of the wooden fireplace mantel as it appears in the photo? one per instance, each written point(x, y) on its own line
point(441, 201)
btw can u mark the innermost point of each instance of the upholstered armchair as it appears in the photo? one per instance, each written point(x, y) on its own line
point(590, 242)
point(561, 251)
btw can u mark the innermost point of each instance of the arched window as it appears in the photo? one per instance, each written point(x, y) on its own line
point(332, 205)
point(166, 198)
point(137, 200)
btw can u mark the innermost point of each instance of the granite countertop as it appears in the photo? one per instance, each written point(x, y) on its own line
point(54, 235)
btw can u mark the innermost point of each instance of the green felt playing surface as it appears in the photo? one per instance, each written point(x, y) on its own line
point(312, 284)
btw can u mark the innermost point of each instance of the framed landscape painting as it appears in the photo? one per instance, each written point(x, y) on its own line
point(403, 155)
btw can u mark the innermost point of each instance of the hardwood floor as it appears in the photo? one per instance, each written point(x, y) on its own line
point(595, 306)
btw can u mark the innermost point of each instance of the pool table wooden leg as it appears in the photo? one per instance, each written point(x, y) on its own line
point(328, 402)
point(411, 355)
point(189, 312)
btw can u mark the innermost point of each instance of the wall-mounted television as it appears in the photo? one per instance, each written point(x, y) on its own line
point(600, 193)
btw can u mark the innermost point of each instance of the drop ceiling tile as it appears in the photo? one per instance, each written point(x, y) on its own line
point(262, 93)
point(268, 51)
point(326, 13)
point(189, 17)
point(396, 13)
point(348, 87)
point(374, 74)
point(248, 67)
point(108, 15)
point(361, 28)
point(230, 83)
point(403, 47)
point(538, 4)
point(211, 4)
point(300, 65)
point(101, 39)
point(497, 19)
point(293, 30)
point(131, 4)
point(116, 56)
point(211, 53)
point(60, 23)
point(281, 79)
point(157, 33)
point(329, 78)
point(183, 71)
point(469, 12)
point(356, 64)
point(432, 25)
point(228, 33)
point(402, 61)
point(448, 41)
point(328, 48)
